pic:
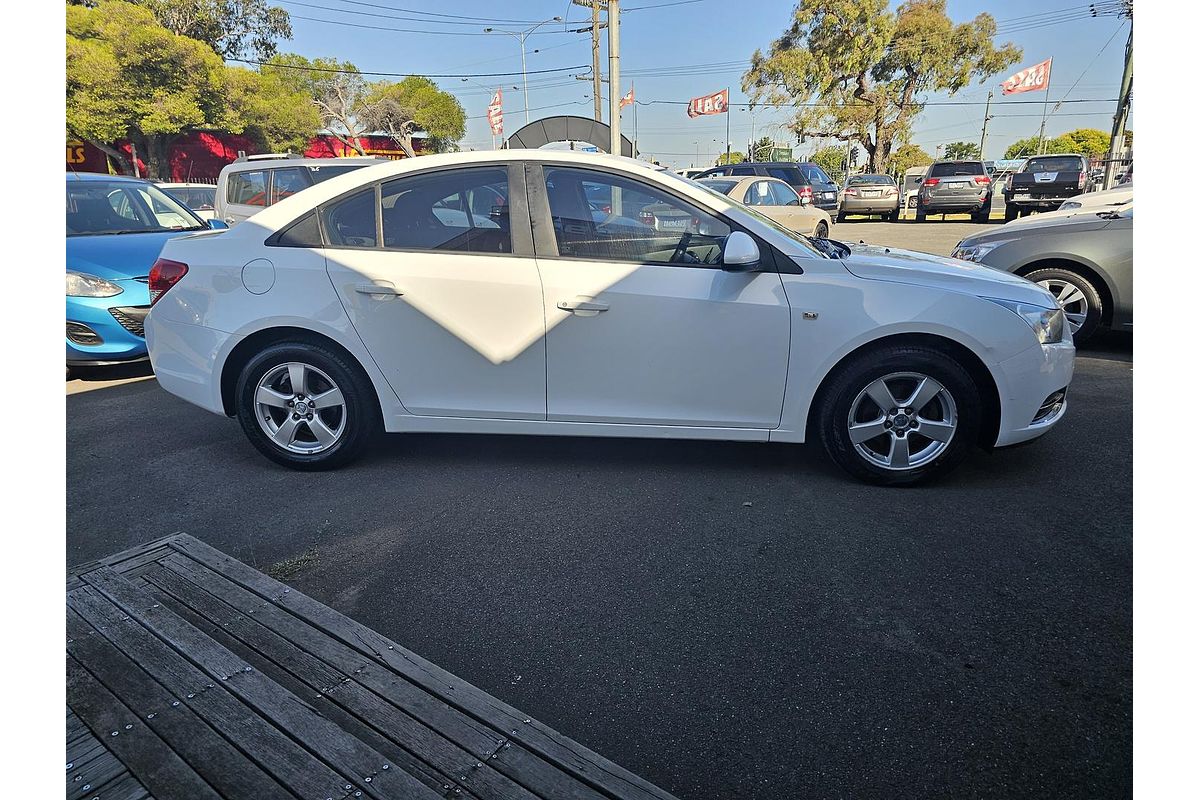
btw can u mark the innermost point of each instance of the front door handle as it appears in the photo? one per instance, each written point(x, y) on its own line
point(583, 306)
point(378, 289)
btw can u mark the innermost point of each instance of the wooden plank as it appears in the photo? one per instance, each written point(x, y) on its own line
point(341, 750)
point(148, 757)
point(216, 760)
point(274, 751)
point(210, 593)
point(91, 772)
point(135, 555)
point(425, 752)
point(124, 788)
point(583, 763)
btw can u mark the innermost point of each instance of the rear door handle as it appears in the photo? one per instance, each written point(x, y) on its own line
point(381, 289)
point(582, 306)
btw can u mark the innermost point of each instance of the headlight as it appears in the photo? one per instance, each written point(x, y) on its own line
point(80, 284)
point(976, 252)
point(1047, 323)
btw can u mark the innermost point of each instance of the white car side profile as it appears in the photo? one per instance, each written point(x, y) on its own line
point(562, 293)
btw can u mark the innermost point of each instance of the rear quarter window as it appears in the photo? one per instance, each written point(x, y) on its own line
point(247, 188)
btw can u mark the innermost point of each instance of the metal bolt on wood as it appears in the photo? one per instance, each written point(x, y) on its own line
point(70, 764)
point(128, 727)
point(385, 766)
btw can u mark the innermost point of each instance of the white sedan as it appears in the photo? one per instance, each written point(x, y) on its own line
point(544, 292)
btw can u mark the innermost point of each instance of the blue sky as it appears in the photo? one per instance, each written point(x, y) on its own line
point(673, 51)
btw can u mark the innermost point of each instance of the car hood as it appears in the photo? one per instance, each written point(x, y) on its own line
point(922, 269)
point(117, 257)
point(1088, 220)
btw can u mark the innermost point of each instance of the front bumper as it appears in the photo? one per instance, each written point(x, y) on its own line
point(113, 321)
point(1026, 382)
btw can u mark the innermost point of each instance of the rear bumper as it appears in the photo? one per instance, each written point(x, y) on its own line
point(948, 204)
point(1038, 202)
point(186, 358)
point(1026, 382)
point(870, 205)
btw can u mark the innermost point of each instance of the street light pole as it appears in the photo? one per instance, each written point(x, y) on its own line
point(614, 76)
point(521, 37)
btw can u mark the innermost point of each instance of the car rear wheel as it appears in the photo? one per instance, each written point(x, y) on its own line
point(305, 407)
point(821, 231)
point(1011, 212)
point(920, 215)
point(1081, 303)
point(899, 415)
point(841, 216)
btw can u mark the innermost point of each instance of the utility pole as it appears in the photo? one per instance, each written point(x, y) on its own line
point(596, 58)
point(1118, 130)
point(614, 76)
point(983, 136)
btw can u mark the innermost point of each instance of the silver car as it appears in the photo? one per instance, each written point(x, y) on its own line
point(956, 187)
point(1086, 261)
point(870, 194)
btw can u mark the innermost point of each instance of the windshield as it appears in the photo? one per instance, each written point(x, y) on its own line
point(871, 180)
point(724, 187)
point(197, 198)
point(111, 207)
point(1054, 164)
point(724, 204)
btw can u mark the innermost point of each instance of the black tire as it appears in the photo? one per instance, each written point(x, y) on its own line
point(892, 216)
point(841, 216)
point(920, 215)
point(850, 379)
point(360, 422)
point(1092, 305)
point(821, 231)
point(1011, 212)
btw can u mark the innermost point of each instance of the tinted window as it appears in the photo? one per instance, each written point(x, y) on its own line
point(759, 194)
point(789, 175)
point(321, 172)
point(644, 224)
point(197, 198)
point(304, 232)
point(1054, 164)
point(741, 171)
point(460, 210)
point(286, 182)
point(123, 207)
point(784, 195)
point(949, 169)
point(723, 187)
point(815, 174)
point(247, 188)
point(350, 222)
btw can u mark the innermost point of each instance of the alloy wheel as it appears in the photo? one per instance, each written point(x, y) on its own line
point(300, 408)
point(902, 421)
point(1071, 299)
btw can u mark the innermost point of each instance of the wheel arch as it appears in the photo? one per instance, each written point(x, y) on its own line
point(1085, 270)
point(258, 341)
point(989, 393)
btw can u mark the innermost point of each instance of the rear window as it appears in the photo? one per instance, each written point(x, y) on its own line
point(789, 175)
point(320, 172)
point(724, 187)
point(815, 174)
point(871, 180)
point(948, 170)
point(1054, 164)
point(247, 188)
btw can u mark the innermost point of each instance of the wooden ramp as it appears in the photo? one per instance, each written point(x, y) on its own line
point(193, 676)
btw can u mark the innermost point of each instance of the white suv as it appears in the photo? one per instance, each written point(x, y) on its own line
point(252, 183)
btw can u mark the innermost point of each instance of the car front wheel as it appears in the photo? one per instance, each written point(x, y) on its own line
point(1080, 302)
point(899, 415)
point(305, 407)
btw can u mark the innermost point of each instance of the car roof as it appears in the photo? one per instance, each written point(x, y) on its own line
point(170, 185)
point(100, 176)
point(282, 161)
point(959, 161)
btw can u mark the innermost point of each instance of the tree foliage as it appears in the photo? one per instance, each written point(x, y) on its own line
point(865, 65)
point(233, 28)
point(129, 77)
point(907, 156)
point(1023, 148)
point(734, 157)
point(831, 159)
point(1087, 141)
point(762, 149)
point(336, 89)
point(956, 151)
point(414, 104)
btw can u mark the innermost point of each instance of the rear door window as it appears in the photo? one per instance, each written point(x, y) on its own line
point(815, 174)
point(323, 172)
point(742, 171)
point(789, 175)
point(784, 195)
point(286, 182)
point(459, 210)
point(961, 168)
point(247, 188)
point(760, 194)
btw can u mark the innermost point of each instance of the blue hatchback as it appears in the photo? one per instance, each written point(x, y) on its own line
point(116, 227)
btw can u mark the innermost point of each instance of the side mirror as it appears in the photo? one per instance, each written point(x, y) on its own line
point(218, 224)
point(741, 253)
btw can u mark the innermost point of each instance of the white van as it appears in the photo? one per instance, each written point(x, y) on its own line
point(252, 183)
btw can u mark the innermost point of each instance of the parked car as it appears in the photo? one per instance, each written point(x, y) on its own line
point(363, 310)
point(1085, 261)
point(116, 227)
point(808, 179)
point(253, 183)
point(690, 172)
point(955, 187)
point(1114, 199)
point(870, 194)
point(913, 178)
point(773, 198)
point(201, 198)
point(1043, 183)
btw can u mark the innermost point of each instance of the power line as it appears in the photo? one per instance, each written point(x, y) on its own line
point(402, 74)
point(407, 30)
point(473, 20)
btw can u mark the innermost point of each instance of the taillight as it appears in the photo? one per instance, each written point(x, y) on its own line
point(890, 190)
point(806, 193)
point(852, 192)
point(931, 182)
point(163, 275)
point(983, 180)
point(1082, 179)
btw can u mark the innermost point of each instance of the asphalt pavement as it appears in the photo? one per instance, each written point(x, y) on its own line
point(729, 620)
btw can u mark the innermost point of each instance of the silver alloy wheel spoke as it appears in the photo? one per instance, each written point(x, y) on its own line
point(898, 458)
point(881, 395)
point(1070, 294)
point(935, 429)
point(902, 434)
point(863, 431)
point(286, 432)
point(296, 373)
point(269, 397)
point(926, 390)
point(321, 431)
point(330, 399)
point(1076, 321)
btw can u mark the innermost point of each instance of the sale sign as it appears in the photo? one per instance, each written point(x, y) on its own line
point(495, 113)
point(716, 103)
point(1030, 79)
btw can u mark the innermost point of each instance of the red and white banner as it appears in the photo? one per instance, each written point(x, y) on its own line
point(1030, 79)
point(495, 113)
point(716, 103)
point(627, 99)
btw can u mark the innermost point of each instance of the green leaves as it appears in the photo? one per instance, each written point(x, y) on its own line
point(961, 150)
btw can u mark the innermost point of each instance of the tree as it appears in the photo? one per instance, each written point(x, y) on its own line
point(962, 151)
point(907, 156)
point(1023, 148)
point(763, 149)
point(233, 28)
point(336, 90)
point(734, 157)
point(414, 104)
point(130, 78)
point(864, 65)
point(1086, 141)
point(831, 159)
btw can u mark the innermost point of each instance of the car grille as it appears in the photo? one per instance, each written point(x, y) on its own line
point(81, 334)
point(132, 318)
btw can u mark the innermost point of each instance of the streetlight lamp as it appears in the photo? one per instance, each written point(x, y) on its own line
point(521, 37)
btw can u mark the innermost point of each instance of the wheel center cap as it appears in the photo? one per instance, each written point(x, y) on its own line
point(301, 407)
point(900, 421)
